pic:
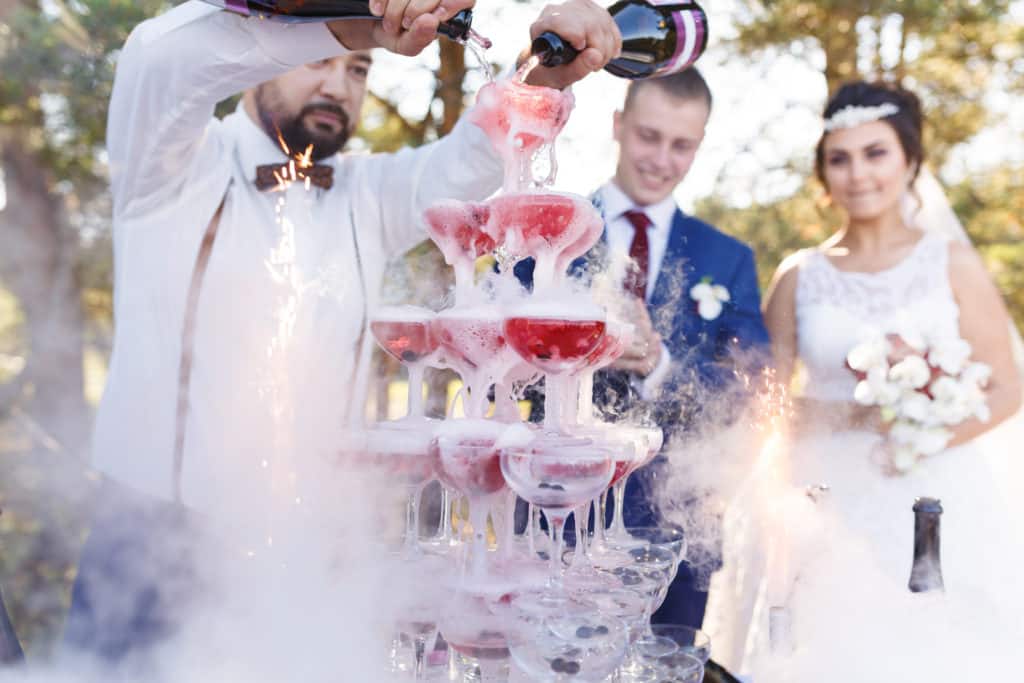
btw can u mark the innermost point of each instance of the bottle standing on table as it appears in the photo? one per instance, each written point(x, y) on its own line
point(659, 37)
point(926, 573)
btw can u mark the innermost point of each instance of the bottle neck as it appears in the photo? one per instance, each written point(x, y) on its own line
point(552, 49)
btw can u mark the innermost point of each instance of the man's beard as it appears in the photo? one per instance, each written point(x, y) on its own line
point(297, 136)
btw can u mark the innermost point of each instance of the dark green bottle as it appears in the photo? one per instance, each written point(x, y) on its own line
point(658, 38)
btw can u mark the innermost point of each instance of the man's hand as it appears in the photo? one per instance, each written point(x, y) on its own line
point(643, 353)
point(406, 27)
point(586, 26)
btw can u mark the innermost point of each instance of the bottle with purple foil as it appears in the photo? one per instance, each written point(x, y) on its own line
point(926, 572)
point(659, 37)
point(459, 27)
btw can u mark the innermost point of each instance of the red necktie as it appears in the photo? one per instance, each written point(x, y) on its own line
point(639, 253)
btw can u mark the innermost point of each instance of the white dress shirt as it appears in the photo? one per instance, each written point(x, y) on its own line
point(619, 233)
point(279, 354)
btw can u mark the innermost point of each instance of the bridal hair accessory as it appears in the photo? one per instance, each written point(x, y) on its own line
point(709, 298)
point(854, 115)
point(923, 385)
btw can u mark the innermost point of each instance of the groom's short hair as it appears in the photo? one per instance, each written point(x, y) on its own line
point(688, 84)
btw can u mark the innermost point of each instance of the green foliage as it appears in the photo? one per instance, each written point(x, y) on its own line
point(57, 71)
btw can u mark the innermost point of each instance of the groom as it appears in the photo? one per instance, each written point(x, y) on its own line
point(692, 344)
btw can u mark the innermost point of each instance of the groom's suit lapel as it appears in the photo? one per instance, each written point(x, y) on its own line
point(675, 278)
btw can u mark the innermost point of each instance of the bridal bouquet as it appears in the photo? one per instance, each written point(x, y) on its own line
point(923, 386)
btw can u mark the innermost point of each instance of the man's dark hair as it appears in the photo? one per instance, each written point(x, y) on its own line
point(688, 84)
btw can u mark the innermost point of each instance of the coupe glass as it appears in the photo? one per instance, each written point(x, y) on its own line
point(470, 463)
point(556, 476)
point(647, 442)
point(690, 640)
point(585, 648)
point(678, 667)
point(406, 333)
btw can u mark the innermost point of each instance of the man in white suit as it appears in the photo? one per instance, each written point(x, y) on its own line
point(241, 300)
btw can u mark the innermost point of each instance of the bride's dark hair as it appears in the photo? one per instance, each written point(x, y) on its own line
point(907, 122)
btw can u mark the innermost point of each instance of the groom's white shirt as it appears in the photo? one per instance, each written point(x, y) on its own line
point(280, 313)
point(619, 233)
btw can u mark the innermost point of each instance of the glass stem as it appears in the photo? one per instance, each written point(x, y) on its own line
point(510, 525)
point(478, 519)
point(444, 533)
point(579, 554)
point(412, 521)
point(600, 510)
point(531, 526)
point(553, 391)
point(555, 524)
point(618, 528)
point(416, 371)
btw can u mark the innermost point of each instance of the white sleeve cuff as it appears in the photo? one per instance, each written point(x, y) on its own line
point(295, 44)
point(648, 386)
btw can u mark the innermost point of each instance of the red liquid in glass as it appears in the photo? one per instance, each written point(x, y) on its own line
point(538, 223)
point(407, 341)
point(622, 468)
point(552, 344)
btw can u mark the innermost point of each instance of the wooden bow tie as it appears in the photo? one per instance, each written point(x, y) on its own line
point(274, 176)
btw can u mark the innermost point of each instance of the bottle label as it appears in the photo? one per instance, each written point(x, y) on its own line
point(691, 37)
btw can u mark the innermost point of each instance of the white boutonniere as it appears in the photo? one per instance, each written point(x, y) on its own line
point(709, 297)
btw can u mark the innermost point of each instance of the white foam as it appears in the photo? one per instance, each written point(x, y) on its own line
point(402, 314)
point(581, 309)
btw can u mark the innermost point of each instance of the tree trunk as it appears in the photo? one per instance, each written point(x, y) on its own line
point(38, 266)
point(449, 90)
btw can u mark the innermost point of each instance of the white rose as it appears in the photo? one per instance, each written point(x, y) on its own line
point(701, 291)
point(864, 393)
point(709, 309)
point(950, 355)
point(931, 441)
point(870, 354)
point(915, 406)
point(946, 389)
point(911, 337)
point(948, 412)
point(903, 432)
point(903, 458)
point(875, 389)
point(976, 373)
point(910, 373)
point(720, 292)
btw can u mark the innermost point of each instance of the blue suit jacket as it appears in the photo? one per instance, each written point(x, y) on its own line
point(708, 356)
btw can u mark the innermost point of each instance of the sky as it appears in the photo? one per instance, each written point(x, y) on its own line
point(766, 113)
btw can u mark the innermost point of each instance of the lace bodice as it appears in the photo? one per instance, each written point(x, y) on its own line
point(835, 309)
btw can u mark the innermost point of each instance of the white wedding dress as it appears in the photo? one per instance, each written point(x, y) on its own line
point(841, 564)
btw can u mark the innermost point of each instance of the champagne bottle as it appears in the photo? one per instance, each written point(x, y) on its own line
point(659, 37)
point(459, 27)
point(926, 572)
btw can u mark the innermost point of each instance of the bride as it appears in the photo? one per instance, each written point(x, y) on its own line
point(837, 584)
